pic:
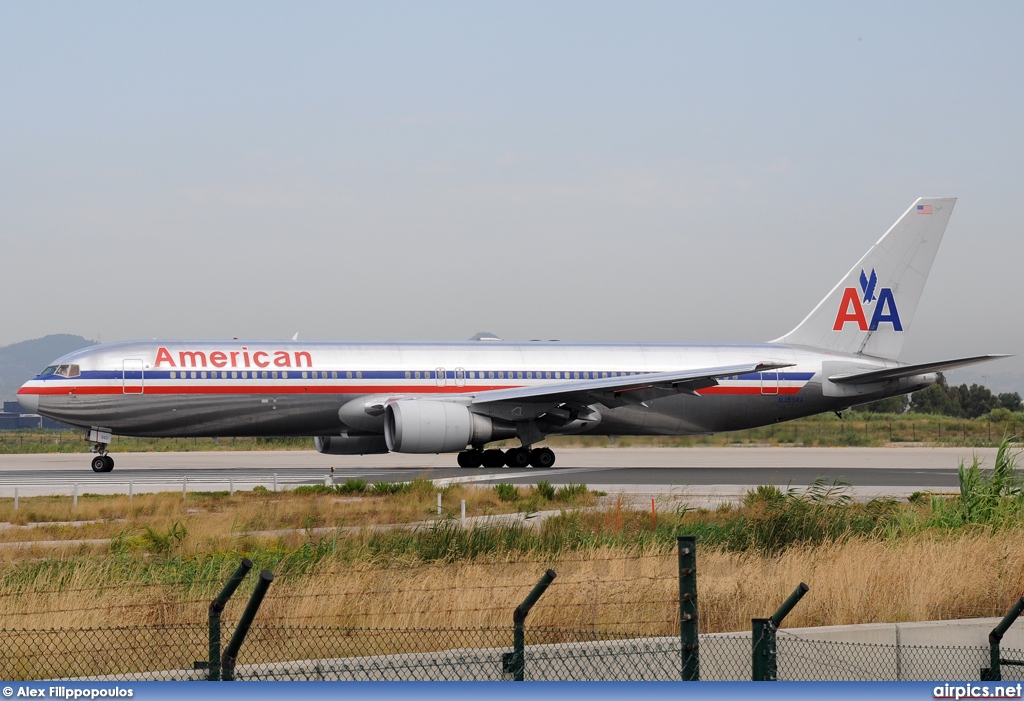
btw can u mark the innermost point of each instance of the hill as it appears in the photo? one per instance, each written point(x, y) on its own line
point(22, 361)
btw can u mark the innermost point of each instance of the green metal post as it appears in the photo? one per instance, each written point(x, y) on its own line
point(215, 610)
point(230, 656)
point(688, 633)
point(764, 664)
point(514, 663)
point(994, 673)
point(788, 604)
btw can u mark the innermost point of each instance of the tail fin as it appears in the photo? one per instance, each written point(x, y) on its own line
point(870, 310)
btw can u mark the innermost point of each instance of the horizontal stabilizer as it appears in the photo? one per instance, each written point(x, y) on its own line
point(861, 378)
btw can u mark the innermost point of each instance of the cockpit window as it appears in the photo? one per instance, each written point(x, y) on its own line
point(62, 370)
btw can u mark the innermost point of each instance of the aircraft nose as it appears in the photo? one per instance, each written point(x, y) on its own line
point(29, 401)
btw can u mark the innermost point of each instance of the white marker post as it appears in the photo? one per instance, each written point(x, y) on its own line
point(275, 481)
point(15, 498)
point(439, 503)
point(231, 487)
point(131, 489)
point(75, 494)
point(463, 513)
point(184, 487)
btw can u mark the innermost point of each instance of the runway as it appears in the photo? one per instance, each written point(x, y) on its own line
point(700, 473)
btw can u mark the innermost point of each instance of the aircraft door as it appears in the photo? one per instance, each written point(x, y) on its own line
point(440, 377)
point(770, 382)
point(460, 377)
point(132, 376)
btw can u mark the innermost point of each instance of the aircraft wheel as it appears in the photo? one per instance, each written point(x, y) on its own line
point(493, 458)
point(470, 458)
point(517, 457)
point(99, 463)
point(110, 463)
point(542, 457)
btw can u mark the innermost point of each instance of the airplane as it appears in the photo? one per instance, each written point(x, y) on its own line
point(367, 398)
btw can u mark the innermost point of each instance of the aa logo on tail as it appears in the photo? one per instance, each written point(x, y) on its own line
point(851, 308)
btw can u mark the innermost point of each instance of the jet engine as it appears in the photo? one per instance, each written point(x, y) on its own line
point(350, 445)
point(423, 426)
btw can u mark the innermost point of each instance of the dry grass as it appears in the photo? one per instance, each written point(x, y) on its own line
point(920, 578)
point(167, 557)
point(219, 521)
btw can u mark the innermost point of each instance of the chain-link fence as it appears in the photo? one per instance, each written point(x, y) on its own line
point(450, 654)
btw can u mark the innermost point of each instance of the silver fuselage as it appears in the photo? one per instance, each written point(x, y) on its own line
point(236, 388)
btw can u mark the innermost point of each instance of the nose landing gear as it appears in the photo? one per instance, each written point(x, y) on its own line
point(102, 462)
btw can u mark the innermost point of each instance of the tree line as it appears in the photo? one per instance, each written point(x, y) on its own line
point(948, 400)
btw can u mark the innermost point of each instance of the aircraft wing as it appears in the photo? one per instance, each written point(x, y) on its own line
point(634, 389)
point(861, 378)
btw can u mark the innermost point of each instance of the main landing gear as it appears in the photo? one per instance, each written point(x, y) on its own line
point(102, 462)
point(513, 457)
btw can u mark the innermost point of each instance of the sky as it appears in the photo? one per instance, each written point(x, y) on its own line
point(637, 171)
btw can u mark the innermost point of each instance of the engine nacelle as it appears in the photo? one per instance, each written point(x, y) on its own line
point(350, 445)
point(423, 426)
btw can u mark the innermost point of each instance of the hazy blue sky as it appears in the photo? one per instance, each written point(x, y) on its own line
point(597, 171)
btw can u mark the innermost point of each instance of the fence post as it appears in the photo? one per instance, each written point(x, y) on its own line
point(688, 633)
point(994, 672)
point(215, 610)
point(514, 663)
point(131, 489)
point(75, 495)
point(230, 656)
point(764, 664)
point(15, 498)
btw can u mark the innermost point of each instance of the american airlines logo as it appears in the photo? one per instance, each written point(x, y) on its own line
point(852, 307)
point(242, 358)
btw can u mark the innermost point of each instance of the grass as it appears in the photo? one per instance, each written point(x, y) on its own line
point(934, 556)
point(854, 429)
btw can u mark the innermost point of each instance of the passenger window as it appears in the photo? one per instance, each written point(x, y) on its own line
point(193, 374)
point(234, 374)
point(417, 374)
point(547, 375)
point(519, 375)
point(490, 374)
point(203, 374)
point(558, 375)
point(284, 374)
point(303, 374)
point(334, 374)
point(408, 374)
point(245, 374)
point(173, 374)
point(348, 375)
point(274, 375)
point(529, 375)
point(575, 376)
point(359, 374)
